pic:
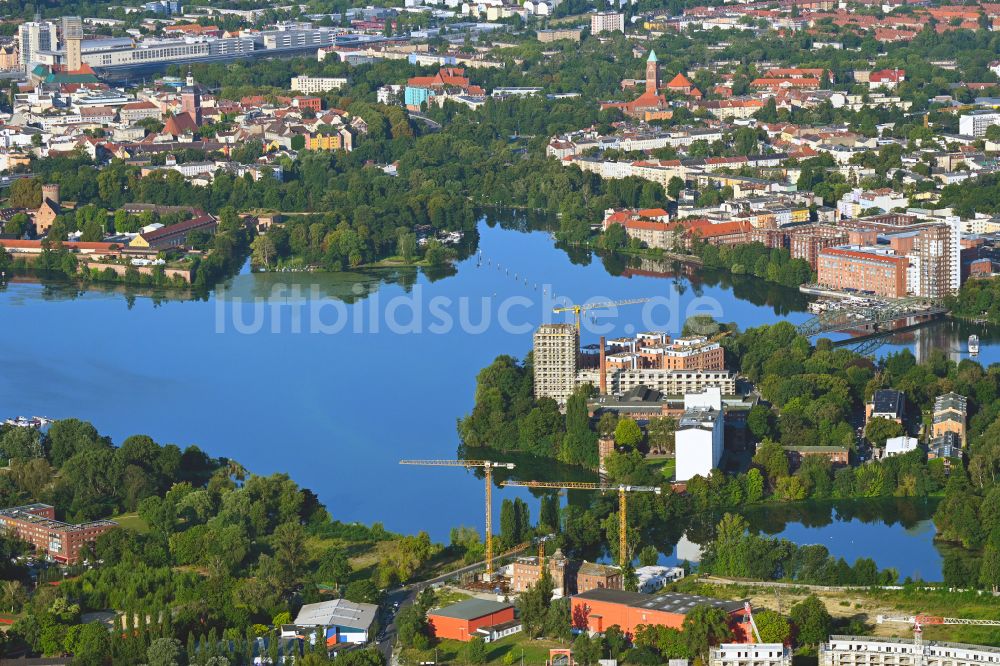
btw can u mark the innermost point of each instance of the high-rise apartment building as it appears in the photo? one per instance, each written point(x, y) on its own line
point(35, 36)
point(606, 22)
point(557, 347)
point(937, 252)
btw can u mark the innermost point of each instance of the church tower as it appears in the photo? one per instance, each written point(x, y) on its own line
point(652, 73)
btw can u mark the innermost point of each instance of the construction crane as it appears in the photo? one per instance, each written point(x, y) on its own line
point(577, 309)
point(918, 622)
point(487, 466)
point(580, 485)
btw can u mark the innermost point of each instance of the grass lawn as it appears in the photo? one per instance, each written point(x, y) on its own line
point(445, 596)
point(132, 521)
point(666, 467)
point(535, 652)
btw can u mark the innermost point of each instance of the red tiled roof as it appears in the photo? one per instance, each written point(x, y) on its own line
point(680, 81)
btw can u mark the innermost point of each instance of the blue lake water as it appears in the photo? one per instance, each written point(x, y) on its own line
point(337, 411)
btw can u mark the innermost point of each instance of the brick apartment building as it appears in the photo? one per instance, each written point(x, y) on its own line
point(37, 524)
point(526, 571)
point(658, 351)
point(568, 577)
point(593, 576)
point(863, 270)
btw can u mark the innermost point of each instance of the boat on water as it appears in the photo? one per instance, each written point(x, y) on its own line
point(973, 344)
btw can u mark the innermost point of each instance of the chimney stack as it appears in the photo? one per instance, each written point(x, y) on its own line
point(604, 369)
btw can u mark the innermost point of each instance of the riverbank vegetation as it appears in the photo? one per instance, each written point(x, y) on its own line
point(211, 555)
point(809, 394)
point(979, 298)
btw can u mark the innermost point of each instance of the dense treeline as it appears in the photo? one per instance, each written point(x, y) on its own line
point(220, 556)
point(774, 265)
point(736, 551)
point(507, 418)
point(978, 298)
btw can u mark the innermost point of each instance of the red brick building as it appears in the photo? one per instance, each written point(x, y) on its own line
point(461, 621)
point(592, 576)
point(37, 524)
point(597, 610)
point(314, 104)
point(882, 274)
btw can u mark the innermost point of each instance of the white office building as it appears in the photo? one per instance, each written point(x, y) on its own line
point(755, 654)
point(867, 650)
point(975, 123)
point(699, 442)
point(313, 85)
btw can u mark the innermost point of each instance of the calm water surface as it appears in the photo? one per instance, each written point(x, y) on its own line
point(337, 411)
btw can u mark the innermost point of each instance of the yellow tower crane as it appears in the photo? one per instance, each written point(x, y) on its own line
point(580, 485)
point(577, 309)
point(487, 466)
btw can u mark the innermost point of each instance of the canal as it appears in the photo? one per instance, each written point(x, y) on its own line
point(334, 378)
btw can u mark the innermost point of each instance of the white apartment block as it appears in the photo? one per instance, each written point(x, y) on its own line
point(556, 348)
point(33, 37)
point(758, 654)
point(975, 123)
point(313, 85)
point(869, 651)
point(606, 22)
point(699, 442)
point(669, 382)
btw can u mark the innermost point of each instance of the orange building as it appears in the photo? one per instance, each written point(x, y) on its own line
point(846, 268)
point(461, 621)
point(599, 609)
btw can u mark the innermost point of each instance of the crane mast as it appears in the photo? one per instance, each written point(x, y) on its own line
point(582, 485)
point(487, 466)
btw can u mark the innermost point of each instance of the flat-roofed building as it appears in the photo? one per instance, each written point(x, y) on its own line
point(869, 650)
point(863, 269)
point(462, 621)
point(599, 609)
point(556, 348)
point(670, 382)
point(62, 542)
point(754, 654)
point(313, 85)
point(698, 442)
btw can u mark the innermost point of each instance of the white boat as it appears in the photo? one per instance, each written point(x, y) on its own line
point(973, 344)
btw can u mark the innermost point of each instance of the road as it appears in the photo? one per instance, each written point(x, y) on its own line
point(406, 596)
point(433, 124)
